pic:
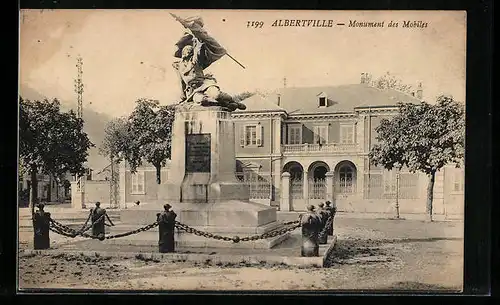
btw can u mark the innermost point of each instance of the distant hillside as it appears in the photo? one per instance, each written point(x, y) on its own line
point(95, 123)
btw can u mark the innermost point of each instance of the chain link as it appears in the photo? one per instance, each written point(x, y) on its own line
point(236, 239)
point(64, 230)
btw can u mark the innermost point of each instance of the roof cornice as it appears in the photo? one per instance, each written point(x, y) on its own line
point(259, 114)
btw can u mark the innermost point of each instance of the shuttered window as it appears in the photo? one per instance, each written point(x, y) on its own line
point(320, 134)
point(251, 135)
point(346, 134)
point(295, 134)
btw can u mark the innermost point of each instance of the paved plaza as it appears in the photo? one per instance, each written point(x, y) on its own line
point(368, 254)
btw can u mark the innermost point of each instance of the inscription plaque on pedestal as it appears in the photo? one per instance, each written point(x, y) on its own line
point(198, 151)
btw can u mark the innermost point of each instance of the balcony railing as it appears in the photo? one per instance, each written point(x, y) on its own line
point(319, 148)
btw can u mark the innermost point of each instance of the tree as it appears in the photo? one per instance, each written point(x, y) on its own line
point(50, 141)
point(422, 137)
point(150, 125)
point(388, 81)
point(116, 139)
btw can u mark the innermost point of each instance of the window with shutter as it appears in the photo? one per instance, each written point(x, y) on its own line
point(242, 136)
point(346, 134)
point(259, 135)
point(295, 135)
point(252, 135)
point(320, 134)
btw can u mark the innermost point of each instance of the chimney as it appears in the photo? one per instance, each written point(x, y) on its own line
point(420, 91)
point(279, 99)
point(363, 78)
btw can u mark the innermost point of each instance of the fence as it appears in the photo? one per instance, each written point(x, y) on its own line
point(317, 188)
point(380, 185)
point(296, 189)
point(259, 184)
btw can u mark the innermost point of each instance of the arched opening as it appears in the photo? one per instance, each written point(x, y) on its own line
point(296, 182)
point(317, 170)
point(317, 180)
point(345, 181)
point(295, 169)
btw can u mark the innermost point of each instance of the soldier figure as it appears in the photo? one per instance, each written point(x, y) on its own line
point(311, 226)
point(98, 221)
point(166, 224)
point(323, 216)
point(333, 211)
point(196, 86)
point(41, 221)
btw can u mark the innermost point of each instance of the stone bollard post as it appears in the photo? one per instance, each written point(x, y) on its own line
point(323, 216)
point(41, 223)
point(166, 228)
point(98, 221)
point(311, 226)
point(332, 211)
point(285, 192)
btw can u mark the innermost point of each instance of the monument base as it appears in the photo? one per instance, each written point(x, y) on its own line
point(228, 218)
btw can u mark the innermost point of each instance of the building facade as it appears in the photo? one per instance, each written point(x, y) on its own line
point(311, 134)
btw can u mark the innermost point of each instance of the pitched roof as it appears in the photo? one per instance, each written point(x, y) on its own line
point(342, 98)
point(257, 102)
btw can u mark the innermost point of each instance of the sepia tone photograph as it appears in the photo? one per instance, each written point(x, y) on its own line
point(241, 150)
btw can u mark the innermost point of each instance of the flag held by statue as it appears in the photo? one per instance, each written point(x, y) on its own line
point(212, 50)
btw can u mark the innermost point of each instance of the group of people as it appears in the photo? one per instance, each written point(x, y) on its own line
point(317, 225)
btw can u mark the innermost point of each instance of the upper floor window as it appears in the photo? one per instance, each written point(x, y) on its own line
point(346, 134)
point(295, 134)
point(137, 181)
point(322, 99)
point(251, 135)
point(320, 134)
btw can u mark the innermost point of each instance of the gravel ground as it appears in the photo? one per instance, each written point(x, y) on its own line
point(369, 254)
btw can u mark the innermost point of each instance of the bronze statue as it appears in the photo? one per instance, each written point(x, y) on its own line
point(41, 222)
point(197, 50)
point(98, 220)
point(311, 226)
point(333, 211)
point(324, 217)
point(166, 226)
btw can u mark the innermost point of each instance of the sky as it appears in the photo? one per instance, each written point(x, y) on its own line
point(128, 54)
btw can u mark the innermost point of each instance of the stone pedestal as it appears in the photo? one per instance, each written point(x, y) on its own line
point(202, 187)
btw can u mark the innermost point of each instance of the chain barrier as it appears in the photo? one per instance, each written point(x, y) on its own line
point(236, 239)
point(67, 231)
point(72, 232)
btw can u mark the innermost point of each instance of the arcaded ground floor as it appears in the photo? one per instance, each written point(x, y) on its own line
point(369, 254)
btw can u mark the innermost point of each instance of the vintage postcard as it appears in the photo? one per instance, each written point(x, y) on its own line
point(242, 150)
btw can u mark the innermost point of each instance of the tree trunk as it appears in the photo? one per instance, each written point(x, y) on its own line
point(33, 190)
point(430, 195)
point(158, 173)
